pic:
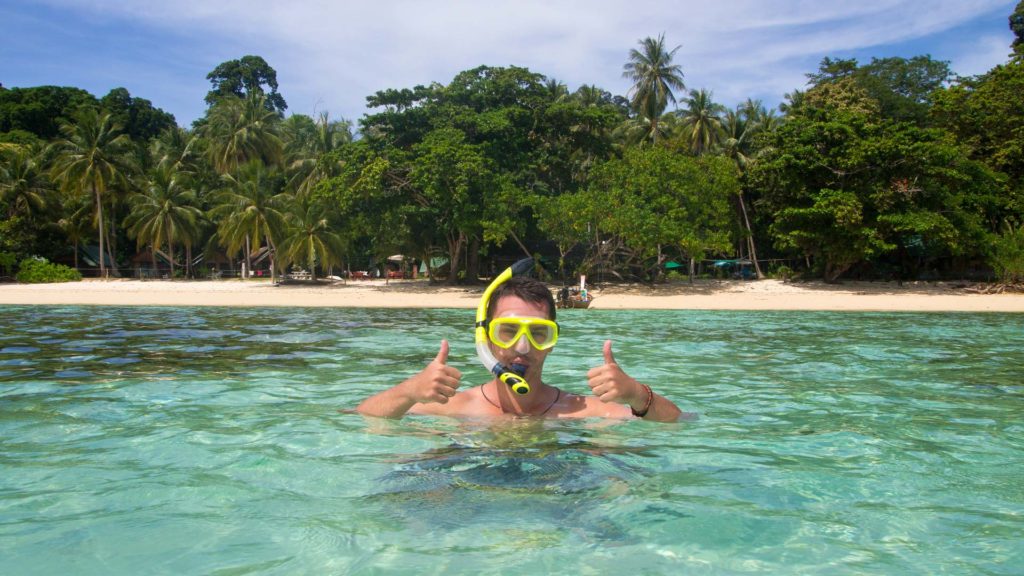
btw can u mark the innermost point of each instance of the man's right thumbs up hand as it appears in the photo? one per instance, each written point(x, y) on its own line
point(435, 383)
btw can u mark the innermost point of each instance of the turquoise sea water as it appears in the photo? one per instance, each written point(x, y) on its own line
point(214, 441)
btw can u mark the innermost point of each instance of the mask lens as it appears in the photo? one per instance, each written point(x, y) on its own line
point(505, 332)
point(541, 334)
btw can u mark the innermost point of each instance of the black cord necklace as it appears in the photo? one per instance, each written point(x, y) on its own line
point(558, 394)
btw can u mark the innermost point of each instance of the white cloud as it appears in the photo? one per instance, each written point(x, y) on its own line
point(331, 55)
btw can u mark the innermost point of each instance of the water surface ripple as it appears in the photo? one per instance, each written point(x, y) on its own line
point(214, 440)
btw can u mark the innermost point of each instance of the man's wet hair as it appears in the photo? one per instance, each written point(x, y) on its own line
point(529, 289)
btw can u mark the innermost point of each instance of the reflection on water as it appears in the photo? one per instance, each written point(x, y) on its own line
point(217, 441)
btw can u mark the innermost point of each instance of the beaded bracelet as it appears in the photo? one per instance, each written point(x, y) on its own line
point(647, 405)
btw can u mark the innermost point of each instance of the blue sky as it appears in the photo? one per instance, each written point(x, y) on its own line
point(330, 55)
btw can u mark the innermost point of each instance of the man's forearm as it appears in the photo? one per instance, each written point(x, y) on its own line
point(661, 409)
point(390, 403)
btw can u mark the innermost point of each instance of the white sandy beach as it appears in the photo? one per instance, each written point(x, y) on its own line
point(702, 295)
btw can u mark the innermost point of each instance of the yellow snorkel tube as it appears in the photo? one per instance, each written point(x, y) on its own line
point(508, 375)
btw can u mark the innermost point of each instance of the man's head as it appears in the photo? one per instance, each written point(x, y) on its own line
point(522, 298)
point(528, 289)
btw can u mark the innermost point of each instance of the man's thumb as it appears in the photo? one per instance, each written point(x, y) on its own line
point(442, 354)
point(608, 358)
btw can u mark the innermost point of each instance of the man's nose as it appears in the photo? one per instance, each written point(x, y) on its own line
point(523, 345)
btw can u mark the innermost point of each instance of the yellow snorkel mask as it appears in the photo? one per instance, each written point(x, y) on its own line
point(513, 376)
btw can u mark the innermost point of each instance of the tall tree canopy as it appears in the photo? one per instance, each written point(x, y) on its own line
point(141, 121)
point(245, 77)
point(902, 87)
point(1017, 27)
point(41, 109)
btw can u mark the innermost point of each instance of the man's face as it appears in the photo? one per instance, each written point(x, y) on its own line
point(522, 352)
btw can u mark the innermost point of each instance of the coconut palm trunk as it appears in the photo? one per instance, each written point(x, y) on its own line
point(102, 231)
point(248, 258)
point(152, 252)
point(273, 272)
point(750, 239)
point(170, 257)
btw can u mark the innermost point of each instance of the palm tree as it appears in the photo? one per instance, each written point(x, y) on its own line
point(25, 187)
point(739, 127)
point(175, 148)
point(242, 130)
point(309, 151)
point(309, 238)
point(589, 95)
point(641, 129)
point(76, 225)
point(737, 132)
point(654, 76)
point(164, 213)
point(248, 208)
point(702, 126)
point(556, 90)
point(93, 156)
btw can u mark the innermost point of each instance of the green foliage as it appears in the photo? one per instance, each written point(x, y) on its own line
point(137, 116)
point(833, 228)
point(40, 110)
point(784, 273)
point(39, 270)
point(985, 113)
point(504, 161)
point(17, 235)
point(652, 198)
point(7, 260)
point(845, 185)
point(1008, 254)
point(25, 185)
point(20, 138)
point(901, 87)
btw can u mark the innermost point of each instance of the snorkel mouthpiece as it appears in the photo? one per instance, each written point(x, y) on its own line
point(518, 384)
point(514, 375)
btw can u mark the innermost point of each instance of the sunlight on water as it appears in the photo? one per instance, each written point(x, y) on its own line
point(199, 440)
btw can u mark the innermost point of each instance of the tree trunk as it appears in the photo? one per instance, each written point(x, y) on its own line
point(750, 239)
point(152, 252)
point(657, 267)
point(454, 252)
point(473, 260)
point(110, 256)
point(312, 262)
point(248, 258)
point(273, 271)
point(170, 257)
point(692, 264)
point(99, 218)
point(111, 245)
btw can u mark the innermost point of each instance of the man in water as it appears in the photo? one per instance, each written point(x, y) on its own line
point(521, 333)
